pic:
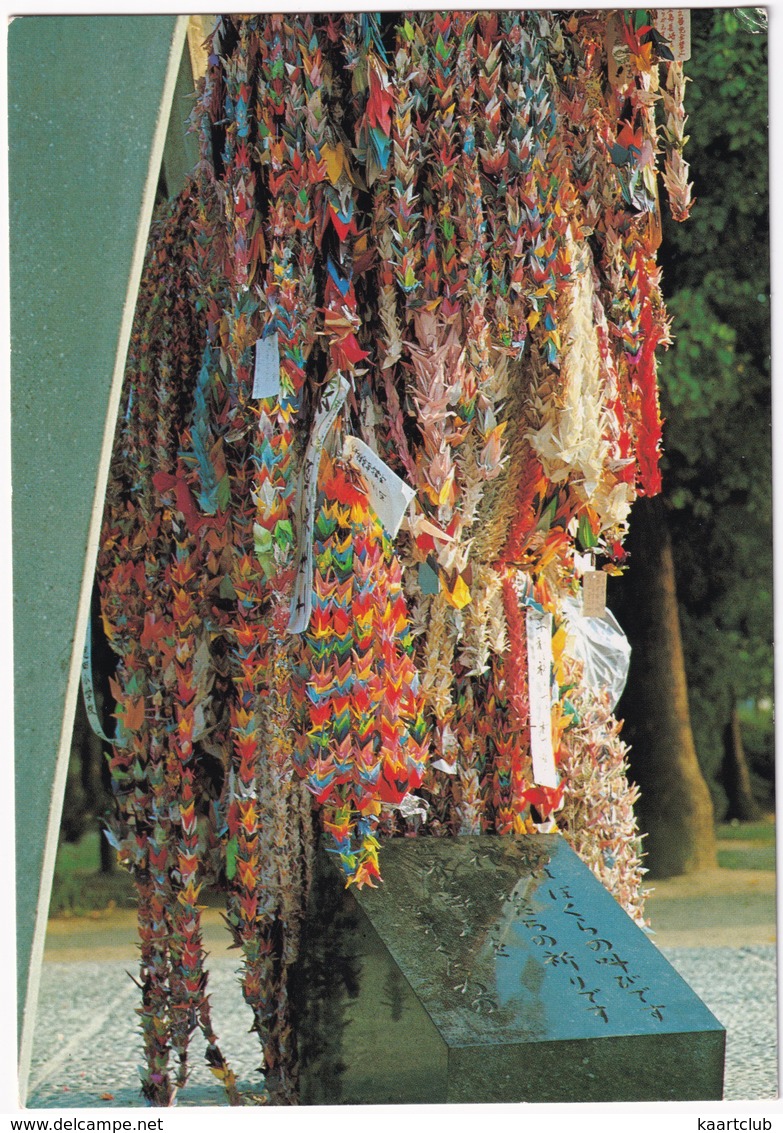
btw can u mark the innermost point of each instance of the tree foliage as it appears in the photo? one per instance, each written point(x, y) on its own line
point(715, 380)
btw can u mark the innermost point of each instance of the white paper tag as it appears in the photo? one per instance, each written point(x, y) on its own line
point(266, 376)
point(88, 690)
point(593, 594)
point(539, 668)
point(388, 494)
point(302, 596)
point(674, 24)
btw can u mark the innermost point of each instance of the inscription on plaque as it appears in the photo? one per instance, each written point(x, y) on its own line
point(500, 970)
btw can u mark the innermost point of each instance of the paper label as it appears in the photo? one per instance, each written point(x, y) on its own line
point(539, 667)
point(389, 495)
point(594, 594)
point(266, 377)
point(302, 596)
point(674, 24)
point(88, 690)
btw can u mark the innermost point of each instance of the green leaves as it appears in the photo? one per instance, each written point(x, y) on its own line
point(715, 378)
point(698, 373)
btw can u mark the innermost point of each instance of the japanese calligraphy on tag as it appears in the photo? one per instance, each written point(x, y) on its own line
point(674, 24)
point(539, 666)
point(594, 594)
point(389, 495)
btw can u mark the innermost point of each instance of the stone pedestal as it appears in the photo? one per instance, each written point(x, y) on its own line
point(491, 970)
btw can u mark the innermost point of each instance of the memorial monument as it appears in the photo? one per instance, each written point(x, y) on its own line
point(390, 394)
point(491, 970)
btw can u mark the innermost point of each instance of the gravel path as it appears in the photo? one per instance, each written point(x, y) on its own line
point(717, 928)
point(87, 1052)
point(739, 985)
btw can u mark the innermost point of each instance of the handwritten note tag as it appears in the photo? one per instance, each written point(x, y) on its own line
point(266, 376)
point(389, 495)
point(594, 594)
point(539, 666)
point(674, 24)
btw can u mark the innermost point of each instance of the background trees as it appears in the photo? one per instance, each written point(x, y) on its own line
point(716, 396)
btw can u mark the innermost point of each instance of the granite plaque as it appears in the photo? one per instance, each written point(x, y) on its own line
point(491, 970)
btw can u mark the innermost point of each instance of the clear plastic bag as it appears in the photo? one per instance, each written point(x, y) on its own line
point(601, 645)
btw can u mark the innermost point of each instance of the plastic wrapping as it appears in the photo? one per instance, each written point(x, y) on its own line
point(601, 645)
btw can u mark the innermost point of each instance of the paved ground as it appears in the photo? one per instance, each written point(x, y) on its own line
point(717, 929)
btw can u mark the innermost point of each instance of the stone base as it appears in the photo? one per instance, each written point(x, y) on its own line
point(491, 970)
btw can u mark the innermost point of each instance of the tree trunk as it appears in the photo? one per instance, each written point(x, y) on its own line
point(736, 773)
point(675, 809)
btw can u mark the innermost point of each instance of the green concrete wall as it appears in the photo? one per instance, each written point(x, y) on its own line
point(87, 96)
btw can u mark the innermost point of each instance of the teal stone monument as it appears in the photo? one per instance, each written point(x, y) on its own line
point(489, 969)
